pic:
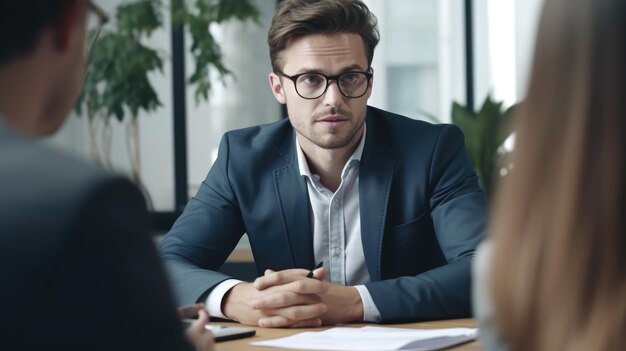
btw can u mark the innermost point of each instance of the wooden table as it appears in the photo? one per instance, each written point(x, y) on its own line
point(266, 333)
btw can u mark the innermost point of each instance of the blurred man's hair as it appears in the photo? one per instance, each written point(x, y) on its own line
point(21, 22)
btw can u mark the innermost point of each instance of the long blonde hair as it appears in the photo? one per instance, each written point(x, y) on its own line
point(558, 277)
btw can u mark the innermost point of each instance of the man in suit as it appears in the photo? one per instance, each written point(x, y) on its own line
point(390, 205)
point(78, 268)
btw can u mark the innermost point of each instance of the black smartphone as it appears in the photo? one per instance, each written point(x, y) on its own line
point(225, 332)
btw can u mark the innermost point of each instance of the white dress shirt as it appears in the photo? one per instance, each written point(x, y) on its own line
point(336, 227)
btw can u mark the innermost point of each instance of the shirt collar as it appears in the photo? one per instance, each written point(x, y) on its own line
point(303, 166)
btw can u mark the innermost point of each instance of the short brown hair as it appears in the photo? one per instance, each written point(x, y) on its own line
point(297, 18)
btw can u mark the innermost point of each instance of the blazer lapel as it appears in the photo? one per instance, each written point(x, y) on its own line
point(294, 205)
point(375, 178)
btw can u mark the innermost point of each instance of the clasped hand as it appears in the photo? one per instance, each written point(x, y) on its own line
point(289, 299)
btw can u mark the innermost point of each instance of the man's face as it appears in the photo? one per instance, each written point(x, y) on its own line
point(331, 121)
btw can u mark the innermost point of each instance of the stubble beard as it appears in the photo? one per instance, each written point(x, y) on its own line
point(335, 141)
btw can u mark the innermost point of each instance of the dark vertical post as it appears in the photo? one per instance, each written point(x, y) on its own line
point(179, 111)
point(469, 54)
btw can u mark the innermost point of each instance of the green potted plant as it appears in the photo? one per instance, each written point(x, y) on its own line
point(117, 84)
point(485, 132)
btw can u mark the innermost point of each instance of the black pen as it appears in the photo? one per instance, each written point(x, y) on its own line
point(319, 265)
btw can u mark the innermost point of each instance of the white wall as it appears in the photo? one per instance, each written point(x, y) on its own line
point(419, 62)
point(527, 13)
point(505, 33)
point(246, 100)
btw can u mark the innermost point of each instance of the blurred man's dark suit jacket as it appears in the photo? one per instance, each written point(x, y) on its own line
point(78, 270)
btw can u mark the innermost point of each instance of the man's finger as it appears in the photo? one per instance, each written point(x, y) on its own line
point(282, 322)
point(320, 273)
point(279, 278)
point(203, 319)
point(285, 299)
point(189, 311)
point(294, 314)
point(301, 285)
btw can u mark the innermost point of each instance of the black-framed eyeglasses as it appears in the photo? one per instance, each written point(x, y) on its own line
point(96, 19)
point(310, 86)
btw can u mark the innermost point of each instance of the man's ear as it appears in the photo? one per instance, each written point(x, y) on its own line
point(277, 87)
point(71, 20)
point(369, 91)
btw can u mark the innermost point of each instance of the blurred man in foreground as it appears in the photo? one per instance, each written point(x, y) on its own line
point(78, 268)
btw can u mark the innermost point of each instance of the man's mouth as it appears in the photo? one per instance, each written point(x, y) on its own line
point(333, 121)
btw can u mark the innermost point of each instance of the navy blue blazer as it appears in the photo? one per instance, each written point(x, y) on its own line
point(422, 215)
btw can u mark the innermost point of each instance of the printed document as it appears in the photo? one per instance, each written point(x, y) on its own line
point(372, 338)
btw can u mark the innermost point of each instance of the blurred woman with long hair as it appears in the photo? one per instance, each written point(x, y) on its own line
point(555, 270)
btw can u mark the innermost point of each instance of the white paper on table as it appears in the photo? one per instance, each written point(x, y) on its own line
point(374, 339)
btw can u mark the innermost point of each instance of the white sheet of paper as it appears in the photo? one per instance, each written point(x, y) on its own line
point(372, 338)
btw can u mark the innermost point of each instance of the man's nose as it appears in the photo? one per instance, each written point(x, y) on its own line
point(332, 96)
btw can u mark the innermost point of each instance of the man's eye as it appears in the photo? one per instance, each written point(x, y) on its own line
point(311, 79)
point(349, 78)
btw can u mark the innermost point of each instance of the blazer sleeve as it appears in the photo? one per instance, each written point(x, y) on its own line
point(204, 235)
point(458, 209)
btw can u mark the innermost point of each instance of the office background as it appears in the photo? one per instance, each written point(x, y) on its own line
point(420, 68)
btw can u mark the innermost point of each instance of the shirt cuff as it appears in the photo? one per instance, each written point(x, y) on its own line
point(370, 311)
point(214, 301)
